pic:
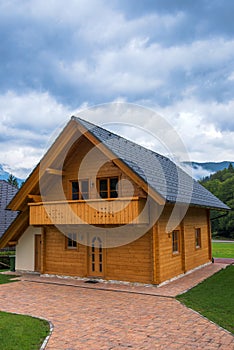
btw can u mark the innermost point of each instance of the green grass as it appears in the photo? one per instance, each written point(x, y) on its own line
point(7, 252)
point(222, 250)
point(213, 298)
point(19, 332)
point(7, 278)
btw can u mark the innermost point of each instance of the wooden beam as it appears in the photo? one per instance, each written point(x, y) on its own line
point(43, 249)
point(156, 254)
point(11, 243)
point(183, 247)
point(55, 171)
point(35, 197)
point(209, 235)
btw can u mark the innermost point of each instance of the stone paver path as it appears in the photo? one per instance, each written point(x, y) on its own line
point(103, 317)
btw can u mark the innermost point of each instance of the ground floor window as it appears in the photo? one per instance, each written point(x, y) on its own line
point(175, 241)
point(198, 237)
point(71, 241)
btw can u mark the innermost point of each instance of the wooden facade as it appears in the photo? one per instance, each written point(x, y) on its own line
point(82, 184)
point(149, 259)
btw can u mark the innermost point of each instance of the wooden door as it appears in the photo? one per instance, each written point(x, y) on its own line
point(96, 257)
point(38, 253)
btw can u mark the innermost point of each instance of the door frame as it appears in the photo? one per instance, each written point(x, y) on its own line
point(90, 273)
point(37, 252)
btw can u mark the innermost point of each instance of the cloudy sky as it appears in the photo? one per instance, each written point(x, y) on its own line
point(59, 57)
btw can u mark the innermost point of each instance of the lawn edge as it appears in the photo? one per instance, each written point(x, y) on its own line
point(198, 313)
point(46, 340)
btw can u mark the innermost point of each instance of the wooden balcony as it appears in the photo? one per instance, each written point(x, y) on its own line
point(118, 211)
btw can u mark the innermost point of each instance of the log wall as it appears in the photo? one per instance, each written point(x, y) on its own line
point(189, 257)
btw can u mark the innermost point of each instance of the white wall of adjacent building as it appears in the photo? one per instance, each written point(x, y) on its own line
point(25, 250)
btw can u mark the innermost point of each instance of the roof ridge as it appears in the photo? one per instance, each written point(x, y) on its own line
point(83, 121)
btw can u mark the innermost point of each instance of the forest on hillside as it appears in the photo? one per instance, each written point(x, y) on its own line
point(221, 184)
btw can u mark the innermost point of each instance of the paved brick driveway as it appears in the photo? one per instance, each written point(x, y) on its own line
point(109, 317)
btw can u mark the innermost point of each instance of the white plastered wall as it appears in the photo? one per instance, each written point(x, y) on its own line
point(25, 249)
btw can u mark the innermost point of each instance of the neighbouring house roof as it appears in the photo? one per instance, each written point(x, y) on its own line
point(157, 174)
point(7, 192)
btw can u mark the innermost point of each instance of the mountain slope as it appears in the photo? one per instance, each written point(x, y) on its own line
point(201, 170)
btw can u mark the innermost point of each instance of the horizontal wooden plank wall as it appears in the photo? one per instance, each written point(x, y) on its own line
point(62, 261)
point(196, 218)
point(131, 262)
point(171, 265)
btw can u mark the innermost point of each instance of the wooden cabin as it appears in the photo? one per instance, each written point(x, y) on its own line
point(101, 206)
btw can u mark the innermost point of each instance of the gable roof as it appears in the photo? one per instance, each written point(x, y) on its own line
point(7, 192)
point(176, 185)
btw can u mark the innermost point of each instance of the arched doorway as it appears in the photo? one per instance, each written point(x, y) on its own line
point(96, 257)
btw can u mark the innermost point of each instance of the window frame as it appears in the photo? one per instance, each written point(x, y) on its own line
point(108, 179)
point(175, 242)
point(71, 237)
point(80, 192)
point(197, 232)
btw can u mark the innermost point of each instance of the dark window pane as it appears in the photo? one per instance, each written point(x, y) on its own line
point(113, 183)
point(103, 185)
point(175, 241)
point(198, 237)
point(103, 194)
point(113, 194)
point(75, 196)
point(75, 186)
point(114, 187)
point(75, 190)
point(71, 240)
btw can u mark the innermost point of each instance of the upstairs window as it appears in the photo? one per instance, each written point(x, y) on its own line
point(175, 241)
point(71, 241)
point(80, 189)
point(108, 187)
point(198, 238)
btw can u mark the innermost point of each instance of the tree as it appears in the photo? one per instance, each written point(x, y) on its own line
point(221, 184)
point(13, 181)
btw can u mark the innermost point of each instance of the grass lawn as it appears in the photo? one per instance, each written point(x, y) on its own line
point(222, 250)
point(19, 332)
point(6, 278)
point(213, 298)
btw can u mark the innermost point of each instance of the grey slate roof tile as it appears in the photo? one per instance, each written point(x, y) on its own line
point(161, 174)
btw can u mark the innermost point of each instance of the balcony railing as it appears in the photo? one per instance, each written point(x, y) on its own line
point(116, 211)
